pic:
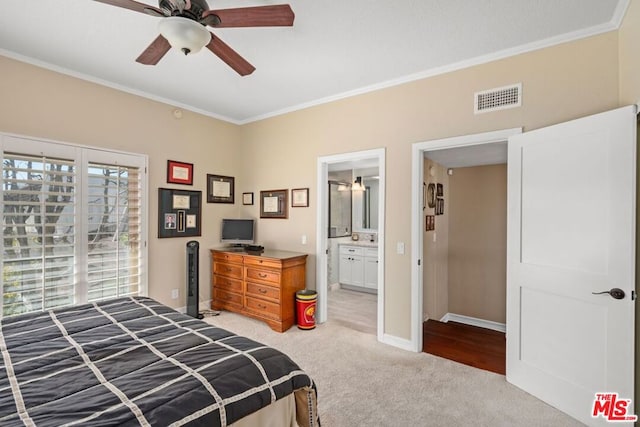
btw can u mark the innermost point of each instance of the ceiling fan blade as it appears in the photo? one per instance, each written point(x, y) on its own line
point(258, 16)
point(230, 56)
point(154, 52)
point(135, 6)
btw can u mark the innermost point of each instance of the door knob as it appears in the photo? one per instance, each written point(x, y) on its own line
point(616, 293)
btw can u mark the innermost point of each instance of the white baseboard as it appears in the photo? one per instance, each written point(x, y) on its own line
point(202, 305)
point(394, 341)
point(474, 321)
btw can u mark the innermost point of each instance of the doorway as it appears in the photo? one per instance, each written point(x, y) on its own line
point(453, 147)
point(325, 253)
point(464, 255)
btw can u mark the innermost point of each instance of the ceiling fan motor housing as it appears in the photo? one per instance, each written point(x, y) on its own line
point(172, 8)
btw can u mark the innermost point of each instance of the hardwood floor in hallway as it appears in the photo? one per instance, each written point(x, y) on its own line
point(478, 347)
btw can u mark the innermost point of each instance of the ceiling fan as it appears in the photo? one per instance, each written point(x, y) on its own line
point(183, 26)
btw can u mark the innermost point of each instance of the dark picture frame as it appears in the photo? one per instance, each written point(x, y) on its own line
point(430, 223)
point(274, 204)
point(179, 172)
point(439, 190)
point(300, 197)
point(439, 206)
point(179, 213)
point(220, 189)
point(431, 195)
point(247, 198)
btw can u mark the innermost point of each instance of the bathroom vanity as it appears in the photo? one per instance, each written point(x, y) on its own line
point(358, 267)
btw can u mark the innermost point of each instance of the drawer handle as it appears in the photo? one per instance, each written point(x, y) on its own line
point(262, 306)
point(262, 291)
point(229, 269)
point(229, 297)
point(263, 275)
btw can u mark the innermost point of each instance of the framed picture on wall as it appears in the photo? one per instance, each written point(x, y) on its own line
point(220, 189)
point(300, 197)
point(273, 204)
point(179, 172)
point(439, 206)
point(179, 213)
point(430, 223)
point(247, 198)
point(431, 195)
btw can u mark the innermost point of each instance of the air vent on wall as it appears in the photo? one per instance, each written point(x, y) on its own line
point(498, 99)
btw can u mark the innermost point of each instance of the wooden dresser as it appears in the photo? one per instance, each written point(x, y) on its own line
point(262, 286)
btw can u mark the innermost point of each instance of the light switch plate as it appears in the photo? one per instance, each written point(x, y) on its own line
point(400, 248)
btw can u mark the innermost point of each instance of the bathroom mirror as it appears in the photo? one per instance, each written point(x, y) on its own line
point(339, 209)
point(365, 205)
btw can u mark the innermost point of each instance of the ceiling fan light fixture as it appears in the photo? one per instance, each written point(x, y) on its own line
point(184, 34)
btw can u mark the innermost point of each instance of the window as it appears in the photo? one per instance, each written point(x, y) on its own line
point(73, 225)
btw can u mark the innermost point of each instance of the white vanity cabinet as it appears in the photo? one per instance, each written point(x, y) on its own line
point(371, 268)
point(358, 268)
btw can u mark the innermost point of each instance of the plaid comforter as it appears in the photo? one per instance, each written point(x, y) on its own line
point(133, 361)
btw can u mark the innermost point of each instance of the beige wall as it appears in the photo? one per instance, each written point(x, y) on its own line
point(629, 47)
point(478, 242)
point(435, 271)
point(559, 83)
point(40, 103)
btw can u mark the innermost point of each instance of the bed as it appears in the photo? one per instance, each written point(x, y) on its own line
point(134, 361)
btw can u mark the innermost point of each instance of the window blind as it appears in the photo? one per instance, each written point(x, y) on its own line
point(39, 236)
point(114, 231)
point(74, 225)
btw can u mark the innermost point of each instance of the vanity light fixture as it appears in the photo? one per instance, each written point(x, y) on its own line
point(357, 184)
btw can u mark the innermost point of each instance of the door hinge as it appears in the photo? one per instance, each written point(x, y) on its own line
point(633, 295)
point(418, 262)
point(326, 251)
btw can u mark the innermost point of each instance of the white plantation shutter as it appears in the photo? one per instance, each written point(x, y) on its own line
point(39, 196)
point(114, 231)
point(73, 225)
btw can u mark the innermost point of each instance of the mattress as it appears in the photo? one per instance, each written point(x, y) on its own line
point(134, 361)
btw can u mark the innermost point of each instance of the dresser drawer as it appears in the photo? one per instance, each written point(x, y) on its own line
point(263, 291)
point(263, 275)
point(227, 257)
point(371, 252)
point(262, 262)
point(262, 307)
point(227, 283)
point(228, 270)
point(351, 250)
point(222, 298)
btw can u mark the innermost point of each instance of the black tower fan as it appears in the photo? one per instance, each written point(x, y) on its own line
point(193, 279)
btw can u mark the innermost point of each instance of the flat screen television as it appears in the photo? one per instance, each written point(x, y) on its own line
point(238, 231)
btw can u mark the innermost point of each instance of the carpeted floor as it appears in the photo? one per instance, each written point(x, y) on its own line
point(364, 383)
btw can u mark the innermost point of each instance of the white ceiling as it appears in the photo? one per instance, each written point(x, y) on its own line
point(336, 48)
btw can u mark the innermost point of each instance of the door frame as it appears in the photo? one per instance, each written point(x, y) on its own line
point(322, 229)
point(418, 150)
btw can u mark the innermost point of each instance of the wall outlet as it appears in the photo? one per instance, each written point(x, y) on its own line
point(400, 248)
point(174, 294)
point(304, 239)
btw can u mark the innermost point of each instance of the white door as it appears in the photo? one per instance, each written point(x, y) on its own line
point(571, 232)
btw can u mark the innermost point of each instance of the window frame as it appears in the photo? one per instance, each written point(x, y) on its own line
point(83, 156)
